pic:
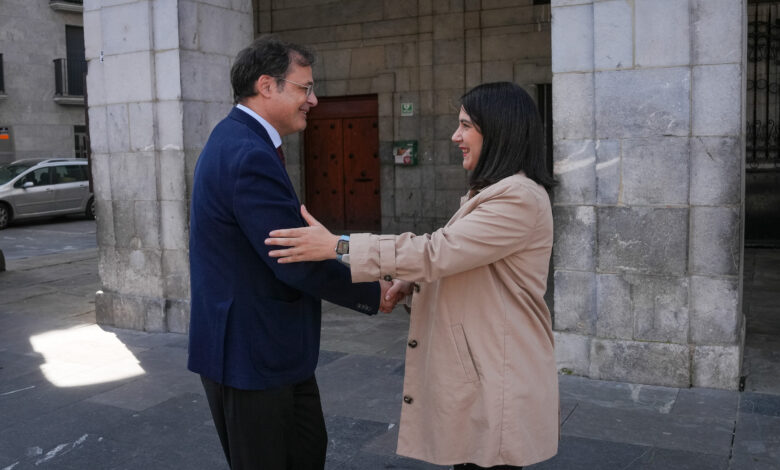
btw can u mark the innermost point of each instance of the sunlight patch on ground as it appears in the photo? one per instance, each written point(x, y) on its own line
point(84, 355)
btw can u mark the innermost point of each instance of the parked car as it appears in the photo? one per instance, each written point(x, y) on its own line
point(44, 187)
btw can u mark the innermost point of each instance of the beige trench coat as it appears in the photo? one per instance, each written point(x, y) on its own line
point(480, 383)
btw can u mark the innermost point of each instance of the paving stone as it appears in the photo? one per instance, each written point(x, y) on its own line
point(713, 435)
point(707, 402)
point(346, 436)
point(582, 453)
point(760, 403)
point(758, 436)
point(740, 461)
point(618, 395)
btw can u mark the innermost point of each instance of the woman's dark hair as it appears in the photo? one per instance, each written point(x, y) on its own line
point(512, 134)
point(267, 55)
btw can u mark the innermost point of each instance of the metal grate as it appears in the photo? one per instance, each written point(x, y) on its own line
point(763, 77)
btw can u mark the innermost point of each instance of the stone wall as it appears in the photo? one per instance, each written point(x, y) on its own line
point(427, 53)
point(32, 35)
point(649, 150)
point(158, 83)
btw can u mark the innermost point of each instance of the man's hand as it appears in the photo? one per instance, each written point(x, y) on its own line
point(392, 293)
point(312, 243)
point(400, 289)
point(387, 302)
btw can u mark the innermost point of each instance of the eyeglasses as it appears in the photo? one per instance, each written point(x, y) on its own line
point(309, 88)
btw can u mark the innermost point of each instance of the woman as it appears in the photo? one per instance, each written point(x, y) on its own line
point(480, 385)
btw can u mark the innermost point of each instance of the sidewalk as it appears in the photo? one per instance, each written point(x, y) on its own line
point(74, 395)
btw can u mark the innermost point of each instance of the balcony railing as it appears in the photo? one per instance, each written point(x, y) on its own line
point(67, 5)
point(69, 81)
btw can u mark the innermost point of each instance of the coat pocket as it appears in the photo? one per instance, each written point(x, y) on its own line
point(464, 353)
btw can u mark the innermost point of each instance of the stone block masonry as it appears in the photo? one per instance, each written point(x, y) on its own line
point(649, 154)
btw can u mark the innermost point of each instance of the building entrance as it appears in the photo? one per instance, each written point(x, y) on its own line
point(341, 160)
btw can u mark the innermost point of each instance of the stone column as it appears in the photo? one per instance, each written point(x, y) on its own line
point(649, 150)
point(158, 82)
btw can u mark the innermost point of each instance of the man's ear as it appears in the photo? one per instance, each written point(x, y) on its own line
point(263, 85)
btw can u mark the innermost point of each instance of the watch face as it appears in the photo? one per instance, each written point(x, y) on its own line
point(342, 247)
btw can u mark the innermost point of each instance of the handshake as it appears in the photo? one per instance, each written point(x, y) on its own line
point(392, 293)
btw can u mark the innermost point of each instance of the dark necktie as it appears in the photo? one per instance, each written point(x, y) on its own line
point(281, 154)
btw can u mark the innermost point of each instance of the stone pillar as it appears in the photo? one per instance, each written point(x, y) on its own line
point(158, 82)
point(649, 152)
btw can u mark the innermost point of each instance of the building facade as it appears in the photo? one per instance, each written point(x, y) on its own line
point(42, 112)
point(644, 107)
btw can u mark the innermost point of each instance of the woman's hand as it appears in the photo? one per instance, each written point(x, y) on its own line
point(399, 290)
point(312, 243)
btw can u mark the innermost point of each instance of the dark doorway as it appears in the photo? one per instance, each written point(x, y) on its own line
point(762, 165)
point(761, 273)
point(342, 163)
point(76, 64)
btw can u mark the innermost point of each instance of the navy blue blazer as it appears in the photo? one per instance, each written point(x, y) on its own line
point(254, 323)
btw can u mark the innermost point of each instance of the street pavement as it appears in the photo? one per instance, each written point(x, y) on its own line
point(76, 395)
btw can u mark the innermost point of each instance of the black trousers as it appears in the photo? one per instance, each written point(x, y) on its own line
point(471, 466)
point(280, 429)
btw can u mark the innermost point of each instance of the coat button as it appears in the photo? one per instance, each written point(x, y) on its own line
point(388, 278)
point(408, 399)
point(413, 343)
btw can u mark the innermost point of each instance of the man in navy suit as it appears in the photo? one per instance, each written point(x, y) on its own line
point(255, 323)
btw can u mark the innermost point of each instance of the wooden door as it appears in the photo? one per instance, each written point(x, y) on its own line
point(342, 164)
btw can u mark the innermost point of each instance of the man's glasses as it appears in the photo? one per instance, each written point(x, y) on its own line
point(309, 88)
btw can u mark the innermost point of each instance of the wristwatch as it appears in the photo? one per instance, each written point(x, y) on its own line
point(342, 246)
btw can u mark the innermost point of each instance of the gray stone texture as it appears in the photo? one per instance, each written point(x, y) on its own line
point(574, 244)
point(613, 31)
point(658, 103)
point(642, 239)
point(662, 33)
point(717, 100)
point(640, 362)
point(716, 366)
point(716, 169)
point(608, 171)
point(655, 171)
point(575, 169)
point(573, 105)
point(660, 308)
point(715, 310)
point(615, 317)
point(572, 353)
point(575, 302)
point(715, 240)
point(572, 44)
point(145, 114)
point(657, 86)
point(717, 31)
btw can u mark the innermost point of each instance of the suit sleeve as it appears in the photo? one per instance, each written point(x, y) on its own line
point(496, 228)
point(263, 200)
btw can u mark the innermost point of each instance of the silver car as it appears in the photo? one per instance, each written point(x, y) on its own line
point(44, 187)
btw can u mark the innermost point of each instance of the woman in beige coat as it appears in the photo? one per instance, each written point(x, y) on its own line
point(480, 385)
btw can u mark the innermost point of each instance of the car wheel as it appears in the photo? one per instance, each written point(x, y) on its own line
point(5, 215)
point(90, 212)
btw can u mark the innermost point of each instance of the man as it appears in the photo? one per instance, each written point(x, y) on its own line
point(255, 323)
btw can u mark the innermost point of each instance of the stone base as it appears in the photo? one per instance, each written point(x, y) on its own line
point(647, 362)
point(142, 313)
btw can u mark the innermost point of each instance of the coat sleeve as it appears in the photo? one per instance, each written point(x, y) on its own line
point(494, 229)
point(263, 200)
